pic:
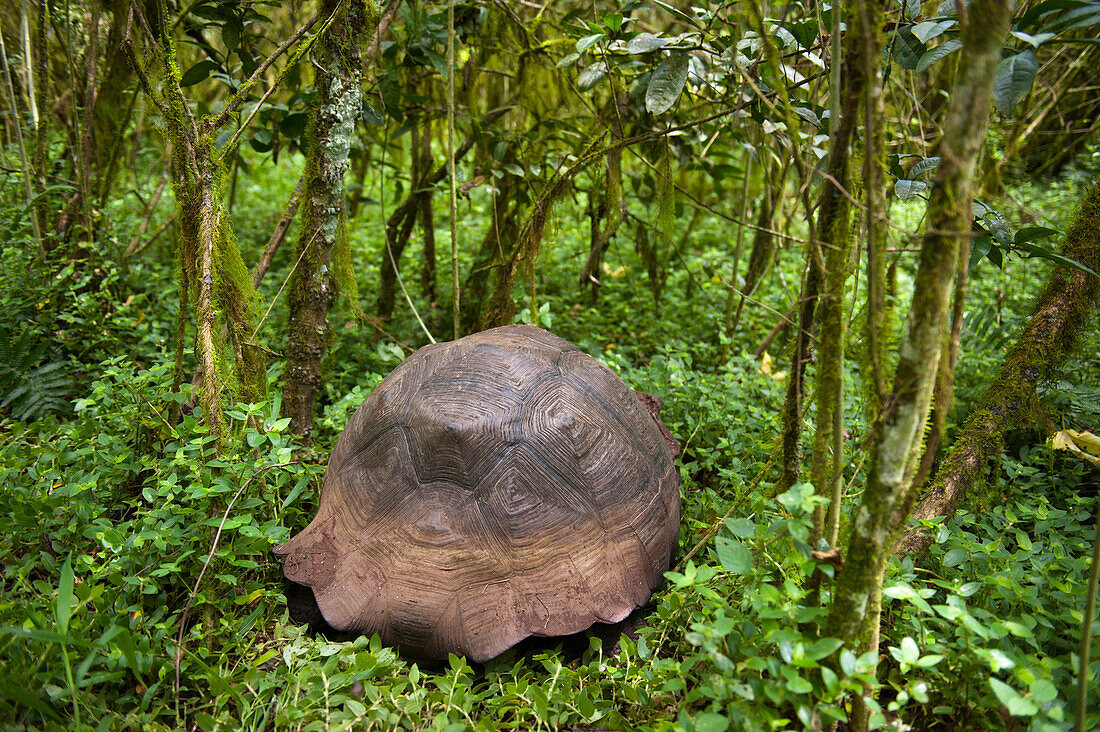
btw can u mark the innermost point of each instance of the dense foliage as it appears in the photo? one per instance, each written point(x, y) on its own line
point(138, 586)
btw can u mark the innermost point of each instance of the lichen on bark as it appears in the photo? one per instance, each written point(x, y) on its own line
point(324, 263)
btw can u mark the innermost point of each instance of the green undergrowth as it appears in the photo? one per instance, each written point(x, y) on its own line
point(112, 511)
point(112, 515)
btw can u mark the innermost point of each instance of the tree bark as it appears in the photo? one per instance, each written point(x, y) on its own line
point(313, 284)
point(834, 228)
point(887, 500)
point(1061, 315)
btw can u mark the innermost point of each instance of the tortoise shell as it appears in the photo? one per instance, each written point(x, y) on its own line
point(492, 488)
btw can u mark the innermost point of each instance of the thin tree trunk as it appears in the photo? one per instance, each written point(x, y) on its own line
point(944, 395)
point(796, 387)
point(874, 164)
point(606, 209)
point(113, 105)
point(887, 500)
point(735, 266)
point(1061, 316)
point(279, 235)
point(312, 288)
point(211, 268)
point(834, 227)
point(427, 222)
point(400, 224)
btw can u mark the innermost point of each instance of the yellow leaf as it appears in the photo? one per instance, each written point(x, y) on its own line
point(616, 273)
point(1073, 441)
point(1086, 441)
point(767, 369)
point(1061, 441)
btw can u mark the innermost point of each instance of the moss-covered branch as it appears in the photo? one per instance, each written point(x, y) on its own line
point(1063, 311)
point(853, 616)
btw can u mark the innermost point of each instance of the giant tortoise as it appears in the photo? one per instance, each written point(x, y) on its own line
point(496, 487)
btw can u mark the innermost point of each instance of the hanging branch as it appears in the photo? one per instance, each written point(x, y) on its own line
point(28, 188)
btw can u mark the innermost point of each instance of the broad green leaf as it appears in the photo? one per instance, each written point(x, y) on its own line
point(909, 651)
point(925, 165)
point(930, 29)
point(1037, 251)
point(568, 60)
point(1034, 233)
point(679, 14)
point(644, 43)
point(1033, 40)
point(955, 557)
point(711, 722)
point(907, 48)
point(198, 72)
point(798, 685)
point(231, 35)
point(1015, 75)
point(64, 608)
point(1043, 691)
point(824, 647)
point(808, 114)
point(1017, 705)
point(294, 125)
point(906, 189)
point(742, 528)
point(933, 55)
point(370, 115)
point(591, 76)
point(589, 41)
point(805, 32)
point(733, 555)
point(666, 83)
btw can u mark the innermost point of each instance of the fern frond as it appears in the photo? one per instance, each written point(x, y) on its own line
point(30, 389)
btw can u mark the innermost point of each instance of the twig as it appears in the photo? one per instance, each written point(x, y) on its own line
point(710, 532)
point(245, 88)
point(149, 209)
point(783, 323)
point(267, 312)
point(383, 26)
point(279, 234)
point(156, 235)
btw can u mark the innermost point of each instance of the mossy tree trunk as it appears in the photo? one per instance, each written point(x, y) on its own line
point(605, 206)
point(886, 503)
point(427, 220)
point(323, 258)
point(1062, 313)
point(213, 277)
point(879, 320)
point(859, 69)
